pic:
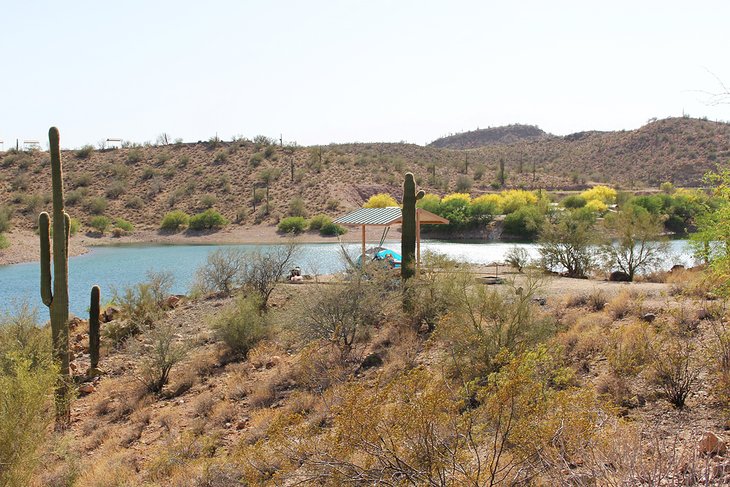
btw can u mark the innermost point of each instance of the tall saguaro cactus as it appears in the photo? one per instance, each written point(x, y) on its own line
point(408, 237)
point(94, 331)
point(56, 298)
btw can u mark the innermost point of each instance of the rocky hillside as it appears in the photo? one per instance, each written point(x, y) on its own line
point(142, 183)
point(493, 135)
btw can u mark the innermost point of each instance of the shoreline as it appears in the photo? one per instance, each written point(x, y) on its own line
point(25, 245)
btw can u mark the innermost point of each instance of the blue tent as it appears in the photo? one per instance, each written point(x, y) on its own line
point(382, 254)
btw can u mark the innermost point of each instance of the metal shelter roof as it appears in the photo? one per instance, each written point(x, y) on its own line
point(387, 216)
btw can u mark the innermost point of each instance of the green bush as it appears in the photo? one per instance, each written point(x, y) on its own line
point(332, 229)
point(116, 190)
point(27, 376)
point(318, 221)
point(297, 207)
point(174, 220)
point(123, 225)
point(525, 222)
point(574, 201)
point(208, 200)
point(4, 244)
point(293, 224)
point(74, 226)
point(6, 214)
point(241, 325)
point(100, 224)
point(208, 220)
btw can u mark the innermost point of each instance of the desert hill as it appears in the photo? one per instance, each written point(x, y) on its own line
point(493, 135)
point(142, 183)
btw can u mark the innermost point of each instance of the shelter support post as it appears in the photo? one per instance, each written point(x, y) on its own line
point(362, 261)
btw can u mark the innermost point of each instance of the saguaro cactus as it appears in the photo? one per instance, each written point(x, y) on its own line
point(94, 330)
point(57, 298)
point(408, 237)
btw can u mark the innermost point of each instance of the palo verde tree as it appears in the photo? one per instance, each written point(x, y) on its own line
point(636, 242)
point(566, 242)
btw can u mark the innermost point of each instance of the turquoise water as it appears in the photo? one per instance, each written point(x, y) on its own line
point(121, 266)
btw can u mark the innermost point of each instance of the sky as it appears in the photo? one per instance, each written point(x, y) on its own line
point(317, 72)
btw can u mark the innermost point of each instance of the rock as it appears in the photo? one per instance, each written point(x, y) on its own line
point(677, 267)
point(76, 322)
point(619, 276)
point(649, 317)
point(372, 360)
point(540, 300)
point(172, 301)
point(272, 362)
point(86, 389)
point(109, 314)
point(710, 444)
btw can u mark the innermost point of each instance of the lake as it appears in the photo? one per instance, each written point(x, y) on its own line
point(121, 266)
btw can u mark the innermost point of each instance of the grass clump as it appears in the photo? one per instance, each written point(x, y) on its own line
point(293, 224)
point(208, 220)
point(100, 224)
point(175, 220)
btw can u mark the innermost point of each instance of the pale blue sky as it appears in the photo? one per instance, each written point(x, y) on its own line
point(326, 71)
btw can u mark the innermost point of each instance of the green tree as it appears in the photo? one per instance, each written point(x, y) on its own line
point(636, 241)
point(567, 243)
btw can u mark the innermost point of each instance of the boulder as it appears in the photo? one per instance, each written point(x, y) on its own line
point(172, 301)
point(86, 389)
point(710, 444)
point(619, 276)
point(649, 317)
point(372, 360)
point(109, 314)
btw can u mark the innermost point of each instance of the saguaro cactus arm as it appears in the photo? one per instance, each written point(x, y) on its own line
point(94, 328)
point(408, 238)
point(44, 226)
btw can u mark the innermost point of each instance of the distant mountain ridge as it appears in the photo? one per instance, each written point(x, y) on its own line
point(506, 134)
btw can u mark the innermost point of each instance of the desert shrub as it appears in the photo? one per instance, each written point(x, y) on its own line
point(220, 158)
point(20, 182)
point(293, 224)
point(141, 304)
point(317, 221)
point(122, 227)
point(331, 229)
point(256, 159)
point(76, 196)
point(134, 155)
point(242, 324)
point(456, 208)
point(32, 202)
point(380, 200)
point(628, 348)
point(297, 207)
point(158, 353)
point(483, 208)
point(97, 205)
point(82, 180)
point(135, 202)
point(518, 258)
point(4, 243)
point(333, 204)
point(339, 315)
point(27, 376)
point(174, 220)
point(100, 224)
point(84, 152)
point(463, 183)
point(483, 321)
point(515, 199)
point(574, 201)
point(208, 220)
point(268, 175)
point(621, 305)
point(208, 200)
point(675, 368)
point(524, 222)
point(74, 226)
point(223, 272)
point(596, 300)
point(6, 214)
